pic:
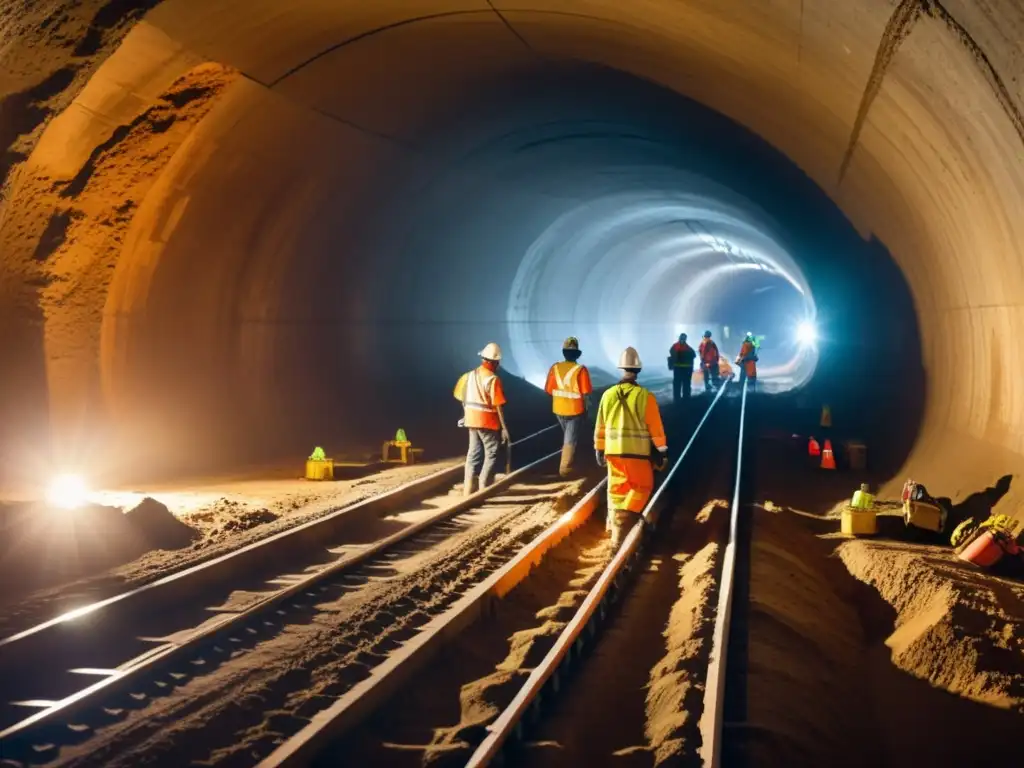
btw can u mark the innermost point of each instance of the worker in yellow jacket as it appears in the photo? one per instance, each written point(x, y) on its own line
point(570, 389)
point(628, 421)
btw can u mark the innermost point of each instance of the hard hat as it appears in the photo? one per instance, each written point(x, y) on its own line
point(750, 336)
point(491, 352)
point(630, 359)
point(707, 334)
point(571, 343)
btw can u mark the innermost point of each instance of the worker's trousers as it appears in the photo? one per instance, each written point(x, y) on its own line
point(751, 383)
point(681, 379)
point(572, 428)
point(481, 457)
point(630, 484)
point(711, 376)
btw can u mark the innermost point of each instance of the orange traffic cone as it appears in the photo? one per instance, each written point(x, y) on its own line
point(813, 449)
point(828, 461)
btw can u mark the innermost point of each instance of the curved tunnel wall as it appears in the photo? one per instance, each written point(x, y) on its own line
point(907, 114)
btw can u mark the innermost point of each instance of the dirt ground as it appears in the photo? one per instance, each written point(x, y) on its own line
point(884, 651)
point(53, 560)
point(250, 700)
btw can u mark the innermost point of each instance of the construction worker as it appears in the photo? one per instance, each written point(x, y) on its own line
point(570, 389)
point(482, 398)
point(628, 421)
point(680, 362)
point(747, 360)
point(708, 352)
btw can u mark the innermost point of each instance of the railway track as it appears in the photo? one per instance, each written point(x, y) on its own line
point(717, 672)
point(79, 689)
point(720, 708)
point(548, 600)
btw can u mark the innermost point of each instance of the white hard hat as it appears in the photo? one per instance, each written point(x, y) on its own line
point(491, 352)
point(630, 359)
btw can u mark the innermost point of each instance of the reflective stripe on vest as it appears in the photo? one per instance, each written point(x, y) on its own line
point(625, 430)
point(478, 396)
point(567, 387)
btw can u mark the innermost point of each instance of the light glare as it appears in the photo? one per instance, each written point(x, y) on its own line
point(806, 333)
point(67, 492)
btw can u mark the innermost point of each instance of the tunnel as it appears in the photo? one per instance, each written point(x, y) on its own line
point(236, 229)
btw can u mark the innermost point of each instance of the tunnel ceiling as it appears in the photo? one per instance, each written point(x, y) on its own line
point(290, 115)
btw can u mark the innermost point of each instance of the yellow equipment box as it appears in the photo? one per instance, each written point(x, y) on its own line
point(920, 514)
point(859, 522)
point(319, 469)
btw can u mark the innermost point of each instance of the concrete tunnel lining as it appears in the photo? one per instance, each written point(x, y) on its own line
point(936, 171)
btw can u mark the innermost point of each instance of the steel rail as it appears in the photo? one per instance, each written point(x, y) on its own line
point(258, 549)
point(713, 715)
point(591, 611)
point(127, 674)
point(331, 724)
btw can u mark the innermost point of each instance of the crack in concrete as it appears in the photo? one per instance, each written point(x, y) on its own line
point(937, 10)
point(896, 31)
point(900, 25)
point(510, 28)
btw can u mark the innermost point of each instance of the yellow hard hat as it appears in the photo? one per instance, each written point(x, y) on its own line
point(491, 352)
point(571, 343)
point(630, 358)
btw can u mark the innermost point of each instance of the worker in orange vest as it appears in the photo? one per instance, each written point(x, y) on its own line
point(628, 421)
point(482, 398)
point(708, 352)
point(680, 362)
point(570, 389)
point(747, 360)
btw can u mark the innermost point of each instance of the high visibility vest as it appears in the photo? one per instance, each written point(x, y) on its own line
point(678, 360)
point(566, 397)
point(478, 399)
point(622, 412)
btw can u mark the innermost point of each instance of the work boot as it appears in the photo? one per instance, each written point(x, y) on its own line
point(568, 451)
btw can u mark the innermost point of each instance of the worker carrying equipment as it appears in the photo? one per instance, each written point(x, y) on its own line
point(570, 389)
point(680, 362)
point(482, 398)
point(628, 421)
point(747, 360)
point(708, 352)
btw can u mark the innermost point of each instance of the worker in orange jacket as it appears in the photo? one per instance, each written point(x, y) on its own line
point(708, 353)
point(747, 360)
point(569, 385)
point(482, 398)
point(628, 421)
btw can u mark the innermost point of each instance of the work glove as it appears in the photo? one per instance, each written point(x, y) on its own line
point(505, 437)
point(661, 464)
point(599, 455)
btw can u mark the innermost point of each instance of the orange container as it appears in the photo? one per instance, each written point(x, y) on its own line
point(984, 551)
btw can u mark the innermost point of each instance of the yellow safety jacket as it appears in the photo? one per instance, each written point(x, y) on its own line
point(621, 428)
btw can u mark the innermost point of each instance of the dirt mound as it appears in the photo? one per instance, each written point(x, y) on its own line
point(41, 546)
point(229, 516)
point(911, 659)
point(158, 526)
point(958, 628)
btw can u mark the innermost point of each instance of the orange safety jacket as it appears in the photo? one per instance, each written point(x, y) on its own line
point(568, 383)
point(480, 393)
point(746, 359)
point(709, 352)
